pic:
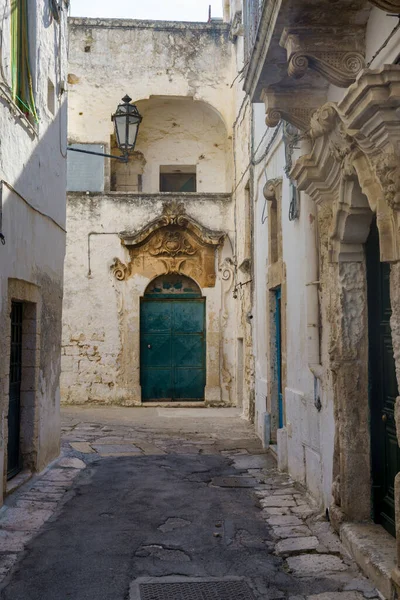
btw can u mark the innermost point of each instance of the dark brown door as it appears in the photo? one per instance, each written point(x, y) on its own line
point(13, 452)
point(385, 453)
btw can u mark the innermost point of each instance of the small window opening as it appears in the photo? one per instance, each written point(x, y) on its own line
point(51, 101)
point(88, 48)
point(178, 178)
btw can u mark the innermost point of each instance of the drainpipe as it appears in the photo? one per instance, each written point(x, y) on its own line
point(312, 299)
point(312, 289)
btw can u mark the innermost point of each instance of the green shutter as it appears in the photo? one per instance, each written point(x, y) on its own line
point(21, 76)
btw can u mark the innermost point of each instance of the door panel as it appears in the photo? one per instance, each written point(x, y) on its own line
point(188, 350)
point(172, 349)
point(155, 350)
point(157, 384)
point(385, 453)
point(157, 317)
point(188, 316)
point(189, 384)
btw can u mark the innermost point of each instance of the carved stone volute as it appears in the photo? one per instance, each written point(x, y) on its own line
point(172, 243)
point(272, 189)
point(337, 59)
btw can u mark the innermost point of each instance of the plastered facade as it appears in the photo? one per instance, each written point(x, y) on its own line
point(181, 83)
point(32, 204)
point(344, 164)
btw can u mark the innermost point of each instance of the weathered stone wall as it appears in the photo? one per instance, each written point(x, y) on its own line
point(144, 59)
point(32, 200)
point(101, 361)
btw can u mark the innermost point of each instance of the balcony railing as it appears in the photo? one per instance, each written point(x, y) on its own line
point(251, 21)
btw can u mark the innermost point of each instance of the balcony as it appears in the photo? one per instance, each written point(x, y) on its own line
point(296, 50)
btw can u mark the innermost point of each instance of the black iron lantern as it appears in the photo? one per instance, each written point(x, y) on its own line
point(126, 121)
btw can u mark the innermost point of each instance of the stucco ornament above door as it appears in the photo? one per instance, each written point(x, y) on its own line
point(172, 243)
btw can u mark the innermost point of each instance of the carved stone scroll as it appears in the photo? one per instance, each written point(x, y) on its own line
point(296, 107)
point(338, 60)
point(173, 243)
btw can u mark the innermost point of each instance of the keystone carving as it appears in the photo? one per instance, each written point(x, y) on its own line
point(392, 6)
point(338, 60)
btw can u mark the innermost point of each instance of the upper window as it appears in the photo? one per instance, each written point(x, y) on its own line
point(21, 74)
point(175, 178)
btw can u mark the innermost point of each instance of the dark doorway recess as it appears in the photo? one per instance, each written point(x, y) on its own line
point(383, 390)
point(14, 409)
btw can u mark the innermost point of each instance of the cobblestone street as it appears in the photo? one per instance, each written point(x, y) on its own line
point(173, 497)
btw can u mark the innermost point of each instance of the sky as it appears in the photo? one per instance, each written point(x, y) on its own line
point(172, 10)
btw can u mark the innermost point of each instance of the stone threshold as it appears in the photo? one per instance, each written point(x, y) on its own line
point(374, 550)
point(16, 482)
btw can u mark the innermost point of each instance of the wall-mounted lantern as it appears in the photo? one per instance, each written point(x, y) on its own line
point(126, 121)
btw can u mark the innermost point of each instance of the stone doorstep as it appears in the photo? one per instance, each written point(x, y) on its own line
point(16, 482)
point(374, 550)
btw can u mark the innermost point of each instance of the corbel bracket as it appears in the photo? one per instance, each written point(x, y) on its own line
point(295, 106)
point(338, 60)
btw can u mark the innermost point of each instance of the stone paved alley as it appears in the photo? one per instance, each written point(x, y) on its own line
point(167, 496)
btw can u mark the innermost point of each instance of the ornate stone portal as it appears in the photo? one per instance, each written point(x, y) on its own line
point(353, 170)
point(173, 243)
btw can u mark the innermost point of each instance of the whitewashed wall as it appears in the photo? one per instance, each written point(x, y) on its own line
point(179, 75)
point(33, 162)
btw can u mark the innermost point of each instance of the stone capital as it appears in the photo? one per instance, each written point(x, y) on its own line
point(338, 59)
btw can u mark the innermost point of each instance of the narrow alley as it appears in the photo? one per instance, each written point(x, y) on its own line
point(162, 503)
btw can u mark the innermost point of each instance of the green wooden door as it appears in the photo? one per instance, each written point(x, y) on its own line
point(172, 349)
point(385, 452)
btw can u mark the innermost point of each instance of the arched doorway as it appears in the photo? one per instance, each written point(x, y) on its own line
point(385, 452)
point(172, 341)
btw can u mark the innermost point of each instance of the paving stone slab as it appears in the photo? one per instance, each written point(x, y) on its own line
point(292, 532)
point(337, 596)
point(278, 501)
point(61, 475)
point(272, 511)
point(284, 520)
point(71, 462)
point(13, 541)
point(23, 519)
point(111, 449)
point(302, 511)
point(83, 447)
point(35, 504)
point(296, 545)
point(252, 461)
point(7, 561)
point(315, 564)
